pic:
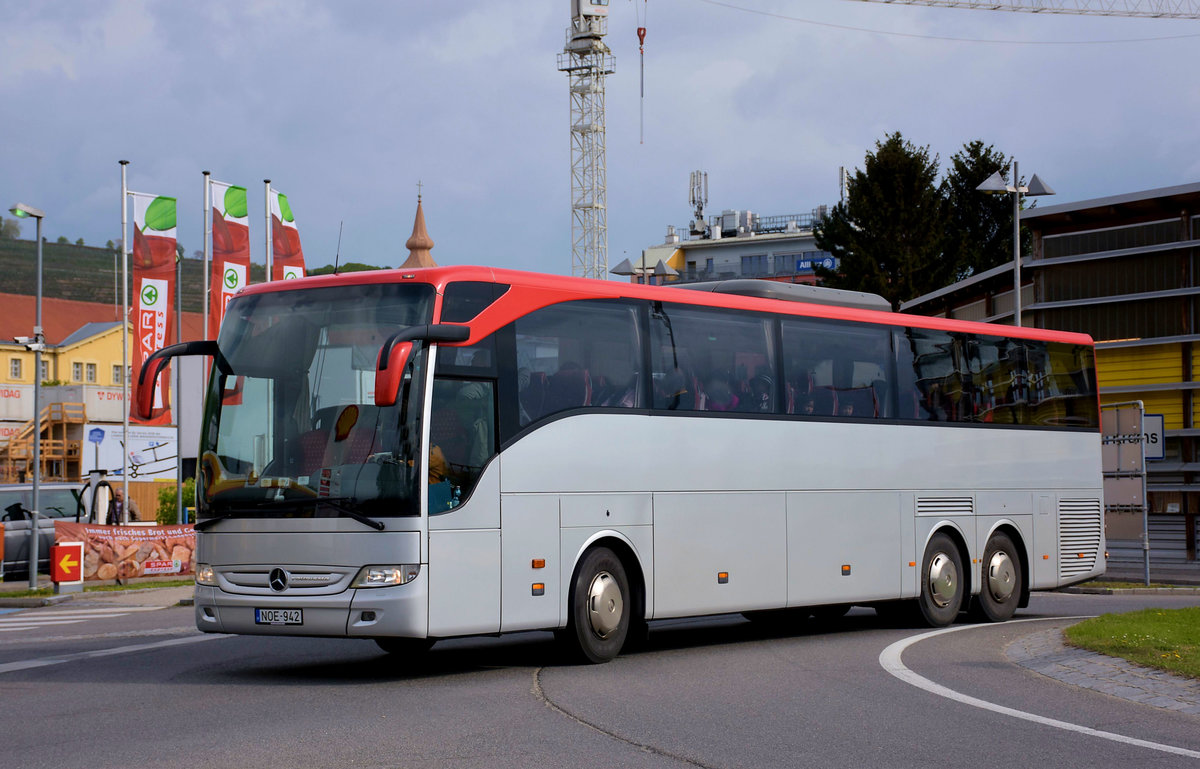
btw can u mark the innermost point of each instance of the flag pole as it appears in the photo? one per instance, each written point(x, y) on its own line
point(207, 250)
point(173, 404)
point(124, 340)
point(270, 248)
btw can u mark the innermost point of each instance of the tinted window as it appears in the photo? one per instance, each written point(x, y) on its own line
point(467, 298)
point(577, 355)
point(834, 369)
point(462, 438)
point(711, 360)
point(950, 377)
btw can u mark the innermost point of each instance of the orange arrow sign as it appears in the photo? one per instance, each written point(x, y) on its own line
point(68, 564)
point(66, 560)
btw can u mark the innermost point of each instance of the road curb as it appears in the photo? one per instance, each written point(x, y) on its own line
point(34, 601)
point(1131, 590)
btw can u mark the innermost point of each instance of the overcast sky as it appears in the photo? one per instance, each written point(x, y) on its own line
point(345, 105)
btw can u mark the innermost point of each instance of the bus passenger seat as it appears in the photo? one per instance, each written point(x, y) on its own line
point(312, 451)
point(825, 402)
point(570, 388)
point(533, 396)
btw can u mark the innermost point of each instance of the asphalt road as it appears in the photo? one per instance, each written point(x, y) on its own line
point(144, 689)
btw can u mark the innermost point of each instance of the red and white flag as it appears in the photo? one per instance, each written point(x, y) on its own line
point(153, 290)
point(230, 250)
point(288, 257)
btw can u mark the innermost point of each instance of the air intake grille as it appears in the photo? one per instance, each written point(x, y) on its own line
point(1079, 525)
point(942, 506)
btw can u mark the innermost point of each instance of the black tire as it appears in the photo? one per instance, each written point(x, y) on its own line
point(942, 582)
point(405, 647)
point(1000, 580)
point(600, 606)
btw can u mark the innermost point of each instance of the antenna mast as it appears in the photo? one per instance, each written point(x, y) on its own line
point(587, 60)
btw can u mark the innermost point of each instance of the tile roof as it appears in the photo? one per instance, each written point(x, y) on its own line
point(63, 319)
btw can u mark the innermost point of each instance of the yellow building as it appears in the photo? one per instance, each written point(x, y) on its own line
point(1125, 270)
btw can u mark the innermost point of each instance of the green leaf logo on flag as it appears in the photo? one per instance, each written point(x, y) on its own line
point(149, 294)
point(284, 209)
point(160, 215)
point(235, 202)
point(231, 278)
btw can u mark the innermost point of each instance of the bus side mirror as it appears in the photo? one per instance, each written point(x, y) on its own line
point(389, 372)
point(394, 355)
point(155, 363)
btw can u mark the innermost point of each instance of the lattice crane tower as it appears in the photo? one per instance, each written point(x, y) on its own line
point(587, 60)
point(1157, 9)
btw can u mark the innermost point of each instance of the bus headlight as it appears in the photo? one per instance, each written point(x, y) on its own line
point(386, 576)
point(205, 575)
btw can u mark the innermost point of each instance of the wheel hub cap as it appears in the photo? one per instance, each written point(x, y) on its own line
point(1001, 577)
point(943, 580)
point(605, 604)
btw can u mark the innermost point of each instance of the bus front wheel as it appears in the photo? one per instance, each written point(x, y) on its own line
point(941, 582)
point(600, 606)
point(1001, 588)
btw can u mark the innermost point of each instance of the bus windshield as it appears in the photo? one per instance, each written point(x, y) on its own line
point(294, 430)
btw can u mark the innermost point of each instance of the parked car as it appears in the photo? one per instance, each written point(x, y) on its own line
point(56, 500)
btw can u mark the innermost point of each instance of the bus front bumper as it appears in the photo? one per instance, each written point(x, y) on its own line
point(354, 613)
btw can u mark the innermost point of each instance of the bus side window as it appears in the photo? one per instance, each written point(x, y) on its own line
point(577, 355)
point(462, 438)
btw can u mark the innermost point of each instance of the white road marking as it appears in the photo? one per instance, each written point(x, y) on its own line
point(889, 658)
point(47, 618)
point(31, 626)
point(12, 667)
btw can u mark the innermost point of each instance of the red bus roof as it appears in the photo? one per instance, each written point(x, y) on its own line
point(531, 291)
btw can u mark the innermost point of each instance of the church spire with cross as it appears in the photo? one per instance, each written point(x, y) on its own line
point(419, 243)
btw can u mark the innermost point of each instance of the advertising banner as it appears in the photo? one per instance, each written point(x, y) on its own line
point(231, 250)
point(125, 552)
point(153, 292)
point(288, 257)
point(153, 451)
point(16, 402)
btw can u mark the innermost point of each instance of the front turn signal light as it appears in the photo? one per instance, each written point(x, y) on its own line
point(386, 576)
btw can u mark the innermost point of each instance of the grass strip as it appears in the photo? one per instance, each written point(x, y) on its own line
point(1166, 639)
point(43, 592)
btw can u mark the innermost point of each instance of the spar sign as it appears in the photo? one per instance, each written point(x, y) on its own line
point(153, 284)
point(231, 249)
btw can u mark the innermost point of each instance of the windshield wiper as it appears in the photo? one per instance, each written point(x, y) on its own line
point(337, 503)
point(209, 522)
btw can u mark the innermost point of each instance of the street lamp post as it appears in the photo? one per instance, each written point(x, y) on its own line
point(995, 184)
point(36, 343)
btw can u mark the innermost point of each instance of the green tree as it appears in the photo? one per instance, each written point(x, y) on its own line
point(979, 230)
point(889, 234)
point(62, 240)
point(344, 267)
point(10, 229)
point(79, 242)
point(167, 512)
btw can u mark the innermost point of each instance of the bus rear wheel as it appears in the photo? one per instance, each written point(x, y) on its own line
point(1001, 573)
point(941, 582)
point(600, 606)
